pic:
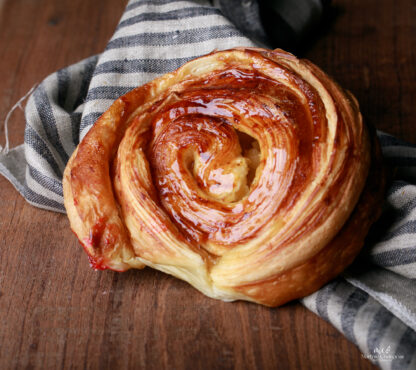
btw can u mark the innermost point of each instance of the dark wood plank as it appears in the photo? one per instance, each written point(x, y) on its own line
point(370, 49)
point(55, 312)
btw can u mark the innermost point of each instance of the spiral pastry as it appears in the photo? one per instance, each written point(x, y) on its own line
point(244, 173)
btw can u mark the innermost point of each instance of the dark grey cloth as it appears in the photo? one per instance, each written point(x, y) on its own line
point(274, 23)
point(245, 15)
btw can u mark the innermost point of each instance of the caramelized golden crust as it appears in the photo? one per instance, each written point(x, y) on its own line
point(243, 173)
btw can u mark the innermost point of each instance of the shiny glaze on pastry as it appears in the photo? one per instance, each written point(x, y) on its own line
point(244, 173)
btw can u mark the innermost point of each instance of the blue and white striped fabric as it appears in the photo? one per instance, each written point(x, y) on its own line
point(373, 304)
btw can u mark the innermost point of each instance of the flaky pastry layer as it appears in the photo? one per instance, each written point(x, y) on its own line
point(244, 173)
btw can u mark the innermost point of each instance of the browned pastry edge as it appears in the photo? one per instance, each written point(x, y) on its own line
point(353, 234)
point(107, 241)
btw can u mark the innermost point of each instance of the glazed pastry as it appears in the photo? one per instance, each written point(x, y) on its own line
point(245, 173)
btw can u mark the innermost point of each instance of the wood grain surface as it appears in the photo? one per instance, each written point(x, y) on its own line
point(56, 312)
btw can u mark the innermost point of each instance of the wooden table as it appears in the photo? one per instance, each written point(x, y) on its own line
point(56, 312)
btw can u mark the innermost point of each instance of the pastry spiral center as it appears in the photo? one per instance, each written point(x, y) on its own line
point(230, 156)
point(211, 176)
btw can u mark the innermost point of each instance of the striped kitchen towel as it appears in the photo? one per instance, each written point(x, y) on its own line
point(374, 302)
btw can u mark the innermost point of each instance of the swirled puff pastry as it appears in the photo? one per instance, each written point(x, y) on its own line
point(247, 173)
